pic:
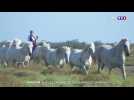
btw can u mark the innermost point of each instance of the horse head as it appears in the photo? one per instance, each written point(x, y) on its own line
point(125, 46)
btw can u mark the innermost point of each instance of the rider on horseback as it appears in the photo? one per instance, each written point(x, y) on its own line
point(33, 38)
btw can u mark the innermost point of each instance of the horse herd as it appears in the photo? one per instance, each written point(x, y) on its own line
point(17, 53)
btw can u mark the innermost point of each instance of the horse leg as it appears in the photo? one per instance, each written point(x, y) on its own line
point(88, 68)
point(73, 68)
point(23, 64)
point(17, 64)
point(61, 63)
point(26, 63)
point(46, 64)
point(61, 66)
point(5, 64)
point(102, 67)
point(98, 65)
point(84, 70)
point(109, 72)
point(123, 72)
point(1, 62)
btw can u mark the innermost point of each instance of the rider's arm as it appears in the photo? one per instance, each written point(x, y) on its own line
point(33, 38)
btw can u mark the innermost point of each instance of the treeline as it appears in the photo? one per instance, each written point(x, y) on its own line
point(76, 44)
point(72, 43)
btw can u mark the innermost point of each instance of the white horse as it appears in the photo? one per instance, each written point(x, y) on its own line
point(5, 46)
point(20, 55)
point(45, 44)
point(55, 56)
point(112, 57)
point(16, 43)
point(82, 58)
point(40, 51)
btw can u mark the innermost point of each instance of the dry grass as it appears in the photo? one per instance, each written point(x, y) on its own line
point(37, 75)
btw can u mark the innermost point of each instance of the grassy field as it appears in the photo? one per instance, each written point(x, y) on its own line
point(41, 76)
point(38, 75)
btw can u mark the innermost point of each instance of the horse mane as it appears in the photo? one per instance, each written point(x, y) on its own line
point(123, 40)
point(92, 46)
point(120, 45)
point(86, 48)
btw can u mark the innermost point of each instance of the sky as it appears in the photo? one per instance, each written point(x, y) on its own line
point(63, 26)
